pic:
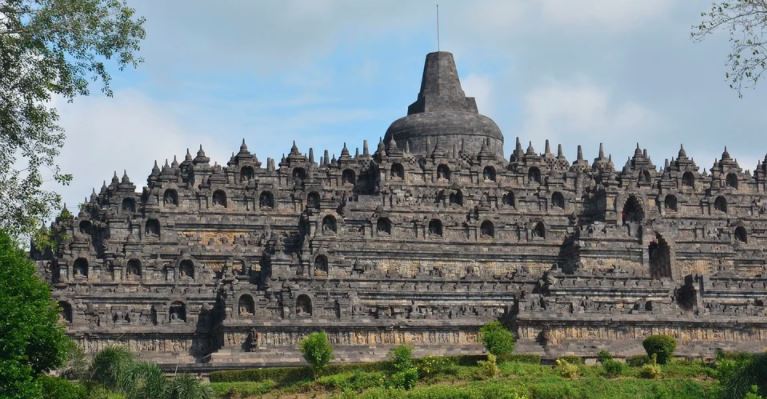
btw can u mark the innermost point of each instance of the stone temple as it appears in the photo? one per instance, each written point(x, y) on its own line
point(419, 240)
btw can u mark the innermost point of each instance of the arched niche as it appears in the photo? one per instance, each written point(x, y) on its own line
point(397, 172)
point(732, 180)
point(456, 198)
point(383, 226)
point(133, 269)
point(534, 175)
point(632, 211)
point(85, 227)
point(348, 177)
point(688, 180)
point(246, 306)
point(65, 312)
point(443, 172)
point(510, 200)
point(558, 200)
point(152, 228)
point(329, 225)
point(435, 228)
point(80, 268)
point(177, 312)
point(539, 231)
point(488, 173)
point(670, 203)
point(321, 265)
point(313, 200)
point(247, 173)
point(128, 205)
point(303, 306)
point(720, 204)
point(219, 199)
point(266, 200)
point(186, 269)
point(299, 176)
point(741, 235)
point(487, 230)
point(660, 258)
point(170, 198)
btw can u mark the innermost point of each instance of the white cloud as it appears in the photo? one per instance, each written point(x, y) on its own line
point(127, 132)
point(563, 111)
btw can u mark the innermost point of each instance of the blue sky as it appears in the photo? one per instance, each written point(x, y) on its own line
point(325, 72)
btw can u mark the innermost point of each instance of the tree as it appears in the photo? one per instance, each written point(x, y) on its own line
point(31, 339)
point(51, 49)
point(662, 346)
point(746, 21)
point(498, 339)
point(317, 350)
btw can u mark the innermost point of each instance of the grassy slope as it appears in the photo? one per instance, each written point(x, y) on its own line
point(517, 380)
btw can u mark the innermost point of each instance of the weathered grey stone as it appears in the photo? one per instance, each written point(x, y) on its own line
point(421, 241)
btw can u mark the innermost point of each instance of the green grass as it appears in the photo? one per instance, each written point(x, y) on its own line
point(517, 380)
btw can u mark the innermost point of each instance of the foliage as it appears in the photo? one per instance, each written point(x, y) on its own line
point(753, 393)
point(497, 339)
point(652, 369)
point(405, 378)
point(566, 369)
point(612, 368)
point(354, 381)
point(243, 388)
point(185, 386)
point(573, 359)
point(401, 358)
point(489, 367)
point(31, 340)
point(738, 375)
point(637, 361)
point(50, 49)
point(603, 356)
point(524, 358)
point(662, 346)
point(745, 20)
point(431, 366)
point(59, 388)
point(317, 350)
point(109, 364)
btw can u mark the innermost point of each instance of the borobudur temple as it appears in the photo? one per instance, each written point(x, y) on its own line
point(420, 240)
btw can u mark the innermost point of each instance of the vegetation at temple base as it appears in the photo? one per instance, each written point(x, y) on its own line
point(317, 351)
point(49, 50)
point(497, 339)
point(746, 22)
point(31, 340)
point(660, 346)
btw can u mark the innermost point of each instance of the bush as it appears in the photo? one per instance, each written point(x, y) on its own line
point(737, 377)
point(637, 361)
point(573, 359)
point(532, 359)
point(431, 366)
point(650, 370)
point(489, 367)
point(317, 351)
point(497, 339)
point(109, 364)
point(185, 386)
point(662, 346)
point(603, 356)
point(356, 381)
point(142, 380)
point(401, 358)
point(566, 369)
point(612, 368)
point(405, 379)
point(59, 388)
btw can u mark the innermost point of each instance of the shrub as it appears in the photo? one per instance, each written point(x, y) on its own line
point(356, 381)
point(736, 377)
point(612, 368)
point(489, 367)
point(142, 380)
point(109, 364)
point(637, 361)
point(566, 369)
point(431, 366)
point(522, 358)
point(185, 386)
point(59, 388)
point(497, 339)
point(603, 356)
point(651, 370)
point(573, 359)
point(662, 346)
point(405, 379)
point(317, 351)
point(401, 358)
